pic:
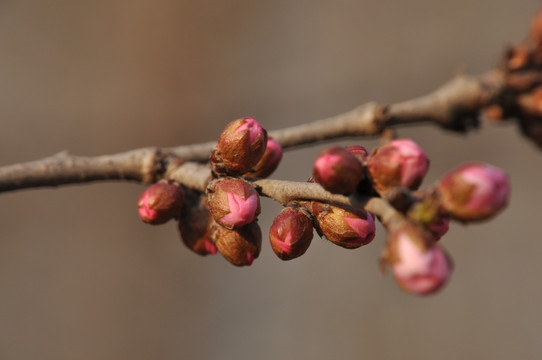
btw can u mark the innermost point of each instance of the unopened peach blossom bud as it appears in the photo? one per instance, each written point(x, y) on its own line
point(233, 202)
point(160, 202)
point(239, 246)
point(337, 170)
point(269, 161)
point(291, 233)
point(344, 226)
point(401, 162)
point(195, 230)
point(239, 148)
point(419, 265)
point(474, 191)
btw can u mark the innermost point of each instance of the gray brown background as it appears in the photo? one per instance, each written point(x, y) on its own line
point(82, 278)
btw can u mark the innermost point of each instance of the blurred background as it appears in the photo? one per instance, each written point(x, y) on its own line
point(82, 278)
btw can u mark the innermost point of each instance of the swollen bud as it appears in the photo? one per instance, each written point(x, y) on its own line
point(269, 161)
point(401, 162)
point(291, 233)
point(233, 202)
point(160, 202)
point(418, 265)
point(337, 170)
point(239, 246)
point(239, 147)
point(474, 191)
point(344, 226)
point(195, 229)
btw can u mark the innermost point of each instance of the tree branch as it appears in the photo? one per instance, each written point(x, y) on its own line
point(446, 106)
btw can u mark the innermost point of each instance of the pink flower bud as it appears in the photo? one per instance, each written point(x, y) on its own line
point(160, 202)
point(195, 229)
point(440, 227)
point(291, 233)
point(233, 202)
point(239, 246)
point(344, 226)
point(419, 266)
point(401, 162)
point(358, 151)
point(474, 191)
point(269, 161)
point(337, 170)
point(240, 146)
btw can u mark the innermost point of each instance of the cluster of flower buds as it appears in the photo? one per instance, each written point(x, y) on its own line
point(243, 148)
point(223, 219)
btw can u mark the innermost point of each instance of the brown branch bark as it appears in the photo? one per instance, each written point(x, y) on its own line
point(462, 95)
point(196, 176)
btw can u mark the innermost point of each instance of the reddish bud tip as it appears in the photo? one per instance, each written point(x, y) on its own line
point(474, 191)
point(401, 162)
point(358, 151)
point(440, 227)
point(337, 170)
point(160, 202)
point(239, 246)
point(291, 233)
point(233, 202)
point(240, 146)
point(269, 161)
point(347, 227)
point(418, 265)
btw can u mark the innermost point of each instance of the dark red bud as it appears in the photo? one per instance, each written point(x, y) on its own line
point(337, 170)
point(160, 202)
point(291, 233)
point(195, 229)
